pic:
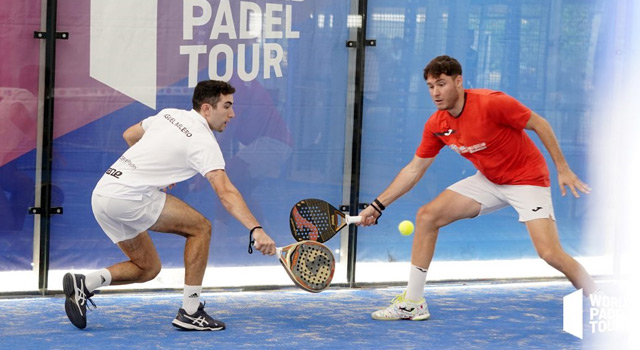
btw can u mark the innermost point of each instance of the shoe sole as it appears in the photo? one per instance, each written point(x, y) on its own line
point(417, 318)
point(70, 307)
point(421, 317)
point(191, 327)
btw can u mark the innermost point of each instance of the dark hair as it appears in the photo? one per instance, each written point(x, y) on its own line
point(442, 65)
point(209, 91)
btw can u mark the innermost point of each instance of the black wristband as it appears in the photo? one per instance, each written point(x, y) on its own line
point(382, 207)
point(251, 240)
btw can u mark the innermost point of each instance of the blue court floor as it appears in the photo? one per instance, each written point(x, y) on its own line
point(519, 316)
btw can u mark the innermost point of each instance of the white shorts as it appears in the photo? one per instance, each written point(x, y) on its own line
point(123, 219)
point(531, 202)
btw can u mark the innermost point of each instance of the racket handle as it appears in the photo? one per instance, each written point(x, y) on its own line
point(353, 219)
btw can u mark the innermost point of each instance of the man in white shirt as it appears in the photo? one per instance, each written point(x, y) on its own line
point(165, 149)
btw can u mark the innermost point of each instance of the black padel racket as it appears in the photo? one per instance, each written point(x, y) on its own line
point(316, 220)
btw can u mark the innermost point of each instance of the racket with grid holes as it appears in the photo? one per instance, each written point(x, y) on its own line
point(310, 265)
point(316, 220)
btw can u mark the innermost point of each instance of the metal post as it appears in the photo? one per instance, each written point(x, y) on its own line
point(47, 145)
point(357, 140)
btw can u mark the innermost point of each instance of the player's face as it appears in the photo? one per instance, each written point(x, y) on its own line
point(219, 115)
point(444, 90)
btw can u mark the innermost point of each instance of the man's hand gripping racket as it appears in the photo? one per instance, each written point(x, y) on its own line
point(316, 220)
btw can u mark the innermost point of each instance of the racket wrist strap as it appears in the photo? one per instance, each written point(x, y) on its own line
point(375, 207)
point(251, 240)
point(379, 204)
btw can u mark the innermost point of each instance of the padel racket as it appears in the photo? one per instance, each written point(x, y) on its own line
point(316, 220)
point(310, 265)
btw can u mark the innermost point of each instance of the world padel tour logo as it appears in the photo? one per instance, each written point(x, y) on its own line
point(124, 36)
point(606, 314)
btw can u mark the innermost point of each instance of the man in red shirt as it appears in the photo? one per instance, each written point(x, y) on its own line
point(486, 127)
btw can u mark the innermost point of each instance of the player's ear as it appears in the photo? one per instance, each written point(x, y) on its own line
point(206, 109)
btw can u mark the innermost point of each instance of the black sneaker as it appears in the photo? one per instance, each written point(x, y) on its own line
point(76, 299)
point(198, 321)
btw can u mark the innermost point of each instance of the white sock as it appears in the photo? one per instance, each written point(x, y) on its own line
point(191, 298)
point(417, 279)
point(97, 279)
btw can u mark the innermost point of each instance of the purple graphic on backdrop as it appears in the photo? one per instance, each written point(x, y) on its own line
point(18, 129)
point(18, 78)
point(244, 41)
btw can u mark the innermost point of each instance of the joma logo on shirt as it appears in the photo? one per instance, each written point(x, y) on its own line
point(470, 149)
point(113, 172)
point(446, 133)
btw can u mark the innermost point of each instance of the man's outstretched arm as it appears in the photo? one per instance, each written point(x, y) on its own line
point(566, 177)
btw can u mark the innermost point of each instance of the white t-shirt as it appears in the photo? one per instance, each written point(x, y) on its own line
point(176, 145)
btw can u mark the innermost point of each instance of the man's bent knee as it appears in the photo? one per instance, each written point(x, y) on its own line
point(552, 257)
point(204, 227)
point(150, 272)
point(200, 227)
point(429, 216)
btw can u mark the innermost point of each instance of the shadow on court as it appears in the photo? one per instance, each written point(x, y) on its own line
point(475, 316)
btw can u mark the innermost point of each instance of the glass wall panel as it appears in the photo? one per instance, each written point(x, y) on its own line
point(19, 77)
point(127, 60)
point(544, 53)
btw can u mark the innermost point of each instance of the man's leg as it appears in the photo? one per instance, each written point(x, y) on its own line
point(544, 234)
point(448, 207)
point(180, 218)
point(144, 263)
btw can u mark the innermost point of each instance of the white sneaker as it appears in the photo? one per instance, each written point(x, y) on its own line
point(403, 309)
